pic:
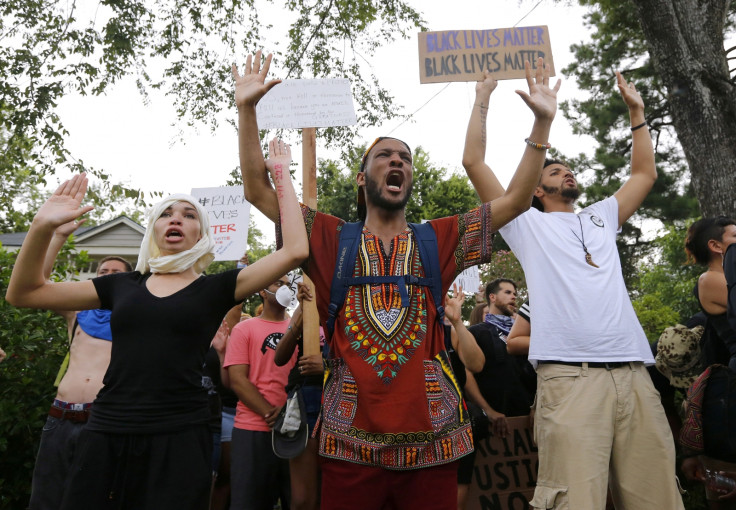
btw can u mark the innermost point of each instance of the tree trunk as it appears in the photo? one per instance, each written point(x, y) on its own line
point(685, 39)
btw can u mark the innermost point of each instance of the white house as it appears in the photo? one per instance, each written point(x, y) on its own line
point(121, 236)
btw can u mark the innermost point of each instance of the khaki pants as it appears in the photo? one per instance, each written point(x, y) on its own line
point(597, 428)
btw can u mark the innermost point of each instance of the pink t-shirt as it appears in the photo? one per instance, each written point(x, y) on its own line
point(253, 343)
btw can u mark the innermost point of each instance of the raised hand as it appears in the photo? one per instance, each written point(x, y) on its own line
point(454, 304)
point(304, 292)
point(68, 229)
point(631, 97)
point(64, 206)
point(279, 156)
point(219, 341)
point(486, 86)
point(252, 86)
point(541, 99)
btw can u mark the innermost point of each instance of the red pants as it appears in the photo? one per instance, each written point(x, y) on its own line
point(346, 486)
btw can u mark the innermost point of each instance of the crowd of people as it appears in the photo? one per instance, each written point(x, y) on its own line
point(163, 367)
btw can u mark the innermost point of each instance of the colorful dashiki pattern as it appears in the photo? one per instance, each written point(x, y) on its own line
point(384, 334)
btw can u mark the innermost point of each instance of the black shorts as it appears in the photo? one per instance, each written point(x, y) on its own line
point(465, 469)
point(141, 471)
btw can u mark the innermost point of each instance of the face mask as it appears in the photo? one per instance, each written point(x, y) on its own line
point(284, 295)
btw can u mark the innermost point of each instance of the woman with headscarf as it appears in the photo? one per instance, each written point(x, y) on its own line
point(147, 444)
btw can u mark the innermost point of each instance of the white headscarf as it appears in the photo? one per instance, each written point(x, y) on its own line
point(199, 256)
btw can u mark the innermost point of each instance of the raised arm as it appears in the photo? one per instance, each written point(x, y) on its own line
point(290, 340)
point(643, 170)
point(249, 89)
point(542, 100)
point(61, 234)
point(474, 153)
point(463, 340)
point(517, 343)
point(295, 244)
point(29, 286)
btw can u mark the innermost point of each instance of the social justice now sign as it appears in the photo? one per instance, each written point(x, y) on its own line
point(463, 55)
point(505, 471)
point(229, 215)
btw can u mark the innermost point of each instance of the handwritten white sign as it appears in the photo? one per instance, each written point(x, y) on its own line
point(229, 214)
point(469, 280)
point(307, 103)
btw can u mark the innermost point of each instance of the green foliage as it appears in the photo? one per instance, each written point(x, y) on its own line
point(618, 43)
point(654, 315)
point(183, 47)
point(35, 342)
point(438, 192)
point(337, 189)
point(664, 288)
point(504, 264)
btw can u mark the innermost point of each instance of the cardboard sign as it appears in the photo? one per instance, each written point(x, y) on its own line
point(307, 103)
point(463, 55)
point(229, 214)
point(505, 471)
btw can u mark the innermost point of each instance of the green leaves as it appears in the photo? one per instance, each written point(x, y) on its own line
point(183, 47)
point(35, 342)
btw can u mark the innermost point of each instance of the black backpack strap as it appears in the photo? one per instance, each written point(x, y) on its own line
point(344, 265)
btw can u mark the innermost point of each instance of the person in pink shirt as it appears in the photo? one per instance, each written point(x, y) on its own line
point(258, 477)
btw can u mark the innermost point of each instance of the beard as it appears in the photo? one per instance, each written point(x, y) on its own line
point(569, 193)
point(507, 310)
point(373, 195)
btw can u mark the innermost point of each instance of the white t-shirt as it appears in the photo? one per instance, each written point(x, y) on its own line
point(581, 313)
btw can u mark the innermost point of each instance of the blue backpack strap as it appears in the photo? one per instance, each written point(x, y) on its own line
point(429, 255)
point(347, 251)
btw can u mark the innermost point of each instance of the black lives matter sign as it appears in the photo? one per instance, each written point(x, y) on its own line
point(463, 55)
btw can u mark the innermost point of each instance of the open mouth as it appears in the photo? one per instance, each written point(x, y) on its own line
point(173, 233)
point(394, 181)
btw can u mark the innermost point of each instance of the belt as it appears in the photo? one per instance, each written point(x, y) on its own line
point(70, 414)
point(608, 365)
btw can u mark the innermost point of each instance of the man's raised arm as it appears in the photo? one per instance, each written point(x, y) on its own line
point(542, 100)
point(484, 180)
point(249, 89)
point(643, 169)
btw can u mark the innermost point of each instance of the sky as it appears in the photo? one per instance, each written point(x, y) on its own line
point(138, 144)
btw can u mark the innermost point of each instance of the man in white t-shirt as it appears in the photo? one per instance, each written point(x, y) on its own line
point(599, 421)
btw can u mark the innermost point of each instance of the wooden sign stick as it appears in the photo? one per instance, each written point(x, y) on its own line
point(309, 197)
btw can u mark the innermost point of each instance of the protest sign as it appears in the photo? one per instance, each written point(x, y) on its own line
point(463, 55)
point(505, 471)
point(307, 104)
point(229, 215)
point(469, 280)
